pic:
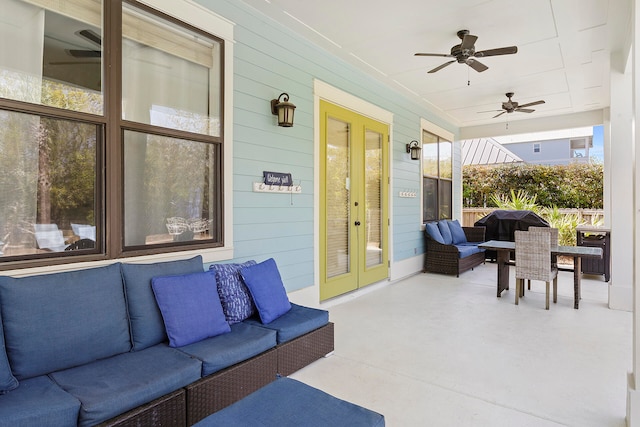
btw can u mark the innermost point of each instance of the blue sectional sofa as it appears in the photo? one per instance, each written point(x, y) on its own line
point(94, 347)
point(451, 248)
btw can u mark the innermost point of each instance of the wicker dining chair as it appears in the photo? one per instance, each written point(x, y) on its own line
point(554, 242)
point(533, 262)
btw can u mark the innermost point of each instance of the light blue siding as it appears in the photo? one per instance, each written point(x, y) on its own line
point(270, 59)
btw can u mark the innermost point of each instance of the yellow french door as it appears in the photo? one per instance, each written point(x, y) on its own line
point(354, 217)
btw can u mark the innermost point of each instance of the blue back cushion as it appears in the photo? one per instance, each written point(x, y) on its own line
point(147, 327)
point(433, 231)
point(61, 320)
point(443, 226)
point(7, 381)
point(234, 295)
point(457, 233)
point(190, 307)
point(267, 290)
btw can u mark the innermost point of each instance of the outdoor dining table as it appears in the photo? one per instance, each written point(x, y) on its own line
point(504, 248)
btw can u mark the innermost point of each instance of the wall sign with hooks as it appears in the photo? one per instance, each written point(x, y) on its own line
point(276, 182)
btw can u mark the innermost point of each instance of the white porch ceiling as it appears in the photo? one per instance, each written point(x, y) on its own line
point(564, 49)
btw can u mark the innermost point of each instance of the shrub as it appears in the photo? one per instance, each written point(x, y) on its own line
point(575, 185)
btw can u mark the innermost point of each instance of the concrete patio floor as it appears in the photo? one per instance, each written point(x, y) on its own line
point(444, 351)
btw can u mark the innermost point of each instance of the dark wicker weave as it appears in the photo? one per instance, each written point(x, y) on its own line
point(445, 259)
point(221, 389)
point(168, 410)
point(301, 351)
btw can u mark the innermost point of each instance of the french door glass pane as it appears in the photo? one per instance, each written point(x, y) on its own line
point(47, 184)
point(338, 197)
point(373, 197)
point(168, 190)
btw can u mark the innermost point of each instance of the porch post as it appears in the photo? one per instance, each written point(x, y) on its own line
point(633, 383)
point(618, 205)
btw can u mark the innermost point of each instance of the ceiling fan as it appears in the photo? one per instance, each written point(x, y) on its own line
point(511, 106)
point(465, 53)
point(94, 38)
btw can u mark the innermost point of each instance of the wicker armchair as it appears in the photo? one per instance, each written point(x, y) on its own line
point(445, 259)
point(533, 262)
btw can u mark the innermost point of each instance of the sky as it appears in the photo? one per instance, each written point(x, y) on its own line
point(598, 143)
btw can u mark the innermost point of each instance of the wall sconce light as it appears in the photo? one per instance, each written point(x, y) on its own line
point(284, 110)
point(414, 148)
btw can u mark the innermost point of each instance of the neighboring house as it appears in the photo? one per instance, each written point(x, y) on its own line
point(551, 148)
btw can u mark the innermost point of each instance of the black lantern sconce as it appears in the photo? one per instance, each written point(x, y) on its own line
point(414, 148)
point(284, 110)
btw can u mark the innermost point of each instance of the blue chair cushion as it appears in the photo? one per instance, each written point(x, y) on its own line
point(267, 290)
point(296, 322)
point(443, 226)
point(234, 295)
point(38, 402)
point(7, 380)
point(190, 307)
point(431, 228)
point(243, 342)
point(147, 327)
point(109, 387)
point(60, 320)
point(290, 403)
point(466, 250)
point(457, 233)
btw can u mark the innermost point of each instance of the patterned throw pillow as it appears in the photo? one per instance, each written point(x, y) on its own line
point(234, 295)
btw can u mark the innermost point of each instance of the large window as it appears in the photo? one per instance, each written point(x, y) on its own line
point(117, 160)
point(437, 174)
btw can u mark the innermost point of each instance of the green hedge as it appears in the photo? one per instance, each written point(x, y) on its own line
point(576, 185)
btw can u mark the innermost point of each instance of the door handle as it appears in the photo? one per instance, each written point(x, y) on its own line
point(357, 223)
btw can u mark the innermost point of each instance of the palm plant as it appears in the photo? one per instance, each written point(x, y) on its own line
point(521, 201)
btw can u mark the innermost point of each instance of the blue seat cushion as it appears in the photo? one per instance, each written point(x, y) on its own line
point(109, 387)
point(466, 250)
point(243, 342)
point(443, 226)
point(60, 320)
point(296, 322)
point(147, 327)
point(290, 403)
point(431, 228)
point(38, 402)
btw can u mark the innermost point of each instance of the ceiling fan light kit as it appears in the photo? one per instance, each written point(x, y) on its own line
point(465, 53)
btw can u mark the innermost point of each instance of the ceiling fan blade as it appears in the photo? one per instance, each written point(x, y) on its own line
point(468, 41)
point(445, 55)
point(489, 111)
point(525, 110)
point(441, 67)
point(91, 35)
point(531, 104)
point(77, 53)
point(478, 66)
point(499, 51)
point(498, 115)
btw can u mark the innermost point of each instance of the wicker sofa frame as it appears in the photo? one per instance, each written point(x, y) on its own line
point(196, 401)
point(445, 259)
